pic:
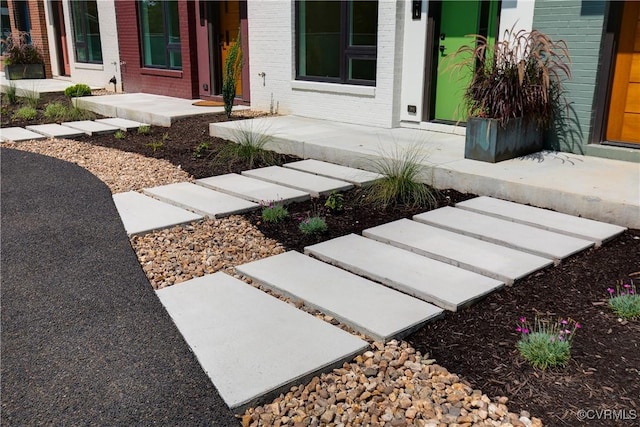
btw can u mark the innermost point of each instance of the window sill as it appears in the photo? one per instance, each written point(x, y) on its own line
point(88, 66)
point(161, 73)
point(369, 91)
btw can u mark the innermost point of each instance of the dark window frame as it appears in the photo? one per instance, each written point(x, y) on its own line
point(347, 51)
point(169, 46)
point(81, 8)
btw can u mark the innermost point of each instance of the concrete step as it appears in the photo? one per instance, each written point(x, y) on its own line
point(18, 134)
point(312, 184)
point(255, 190)
point(368, 307)
point(253, 346)
point(201, 200)
point(90, 127)
point(54, 130)
point(141, 214)
point(331, 170)
point(122, 124)
point(517, 236)
point(557, 222)
point(488, 259)
point(433, 281)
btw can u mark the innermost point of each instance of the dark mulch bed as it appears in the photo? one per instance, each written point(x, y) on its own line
point(478, 343)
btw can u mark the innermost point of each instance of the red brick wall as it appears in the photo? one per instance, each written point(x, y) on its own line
point(38, 30)
point(135, 78)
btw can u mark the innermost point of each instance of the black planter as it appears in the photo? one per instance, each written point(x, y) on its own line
point(24, 71)
point(487, 141)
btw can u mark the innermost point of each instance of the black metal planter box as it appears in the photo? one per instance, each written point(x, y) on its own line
point(487, 141)
point(24, 71)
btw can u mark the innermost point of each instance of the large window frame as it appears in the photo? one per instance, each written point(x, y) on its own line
point(348, 52)
point(171, 43)
point(87, 44)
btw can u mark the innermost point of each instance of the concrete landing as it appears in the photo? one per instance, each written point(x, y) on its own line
point(122, 124)
point(331, 170)
point(570, 225)
point(90, 127)
point(141, 214)
point(255, 190)
point(488, 259)
point(433, 281)
point(54, 130)
point(368, 307)
point(251, 345)
point(312, 184)
point(18, 134)
point(201, 200)
point(517, 236)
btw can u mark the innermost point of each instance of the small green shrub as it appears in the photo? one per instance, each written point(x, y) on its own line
point(335, 202)
point(77, 90)
point(274, 212)
point(625, 301)
point(56, 111)
point(11, 94)
point(119, 134)
point(248, 147)
point(313, 225)
point(201, 150)
point(144, 130)
point(232, 69)
point(547, 343)
point(26, 113)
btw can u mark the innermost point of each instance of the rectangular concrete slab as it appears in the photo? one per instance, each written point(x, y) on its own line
point(433, 281)
point(557, 222)
point(368, 307)
point(255, 190)
point(54, 130)
point(18, 134)
point(331, 170)
point(310, 183)
point(90, 127)
point(253, 346)
point(498, 262)
point(518, 236)
point(201, 200)
point(141, 214)
point(122, 124)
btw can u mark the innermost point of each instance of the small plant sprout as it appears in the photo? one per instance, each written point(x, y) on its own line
point(313, 225)
point(335, 202)
point(144, 129)
point(201, 150)
point(625, 301)
point(546, 343)
point(156, 145)
point(119, 134)
point(274, 212)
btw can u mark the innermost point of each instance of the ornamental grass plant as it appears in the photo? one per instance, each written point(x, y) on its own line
point(546, 343)
point(625, 301)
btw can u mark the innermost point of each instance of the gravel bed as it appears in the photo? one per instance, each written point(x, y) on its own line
point(393, 385)
point(121, 171)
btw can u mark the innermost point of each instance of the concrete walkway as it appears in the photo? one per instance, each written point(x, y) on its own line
point(590, 187)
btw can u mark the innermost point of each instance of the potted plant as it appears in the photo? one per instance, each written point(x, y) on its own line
point(514, 94)
point(22, 59)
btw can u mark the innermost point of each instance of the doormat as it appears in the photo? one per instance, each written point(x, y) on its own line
point(203, 103)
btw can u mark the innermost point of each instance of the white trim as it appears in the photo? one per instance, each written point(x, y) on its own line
point(435, 127)
point(369, 91)
point(86, 66)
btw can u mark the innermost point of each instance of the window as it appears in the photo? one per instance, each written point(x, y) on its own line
point(86, 31)
point(337, 41)
point(160, 34)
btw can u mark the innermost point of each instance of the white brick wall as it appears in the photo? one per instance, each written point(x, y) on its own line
point(272, 51)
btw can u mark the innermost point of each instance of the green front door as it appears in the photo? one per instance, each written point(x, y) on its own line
point(458, 20)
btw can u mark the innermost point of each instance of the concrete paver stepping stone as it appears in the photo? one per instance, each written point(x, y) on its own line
point(18, 134)
point(141, 214)
point(312, 184)
point(331, 170)
point(433, 281)
point(201, 200)
point(54, 130)
point(253, 346)
point(366, 306)
point(570, 225)
point(255, 190)
point(122, 124)
point(518, 236)
point(90, 127)
point(498, 262)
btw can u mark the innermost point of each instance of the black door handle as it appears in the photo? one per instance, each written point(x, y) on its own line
point(442, 48)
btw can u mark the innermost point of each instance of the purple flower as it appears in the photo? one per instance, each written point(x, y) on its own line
point(525, 331)
point(578, 326)
point(610, 290)
point(626, 286)
point(518, 329)
point(522, 320)
point(564, 322)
